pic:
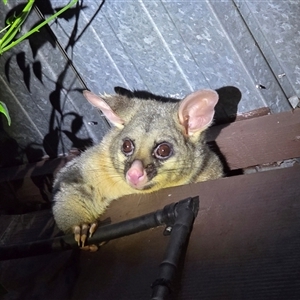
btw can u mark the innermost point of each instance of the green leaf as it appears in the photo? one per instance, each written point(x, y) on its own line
point(15, 23)
point(6, 42)
point(5, 2)
point(4, 110)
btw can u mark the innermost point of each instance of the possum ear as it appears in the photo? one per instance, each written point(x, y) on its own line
point(98, 102)
point(196, 111)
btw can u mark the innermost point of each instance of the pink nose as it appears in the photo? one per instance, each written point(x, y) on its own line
point(136, 176)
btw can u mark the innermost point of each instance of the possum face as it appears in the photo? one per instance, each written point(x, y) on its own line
point(148, 160)
point(154, 144)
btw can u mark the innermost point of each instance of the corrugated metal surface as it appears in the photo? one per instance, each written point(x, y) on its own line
point(167, 47)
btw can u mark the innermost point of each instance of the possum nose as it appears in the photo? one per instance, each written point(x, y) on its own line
point(136, 176)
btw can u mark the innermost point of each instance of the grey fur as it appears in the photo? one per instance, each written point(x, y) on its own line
point(86, 185)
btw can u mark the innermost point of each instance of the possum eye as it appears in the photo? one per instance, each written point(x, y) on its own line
point(163, 151)
point(127, 147)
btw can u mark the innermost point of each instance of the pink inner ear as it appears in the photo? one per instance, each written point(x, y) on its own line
point(98, 102)
point(196, 111)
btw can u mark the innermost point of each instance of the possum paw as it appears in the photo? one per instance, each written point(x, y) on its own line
point(81, 232)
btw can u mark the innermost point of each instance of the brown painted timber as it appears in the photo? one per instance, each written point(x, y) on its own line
point(245, 241)
point(244, 245)
point(259, 112)
point(245, 143)
point(256, 141)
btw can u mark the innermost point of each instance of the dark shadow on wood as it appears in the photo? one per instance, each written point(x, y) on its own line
point(225, 110)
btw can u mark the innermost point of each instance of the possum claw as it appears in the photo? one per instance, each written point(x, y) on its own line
point(91, 248)
point(77, 234)
point(81, 232)
point(84, 231)
point(93, 228)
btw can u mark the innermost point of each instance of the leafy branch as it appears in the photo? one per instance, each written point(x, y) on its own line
point(14, 25)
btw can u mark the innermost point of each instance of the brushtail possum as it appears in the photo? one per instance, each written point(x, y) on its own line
point(153, 145)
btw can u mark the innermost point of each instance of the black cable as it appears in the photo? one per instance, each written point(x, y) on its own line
point(104, 233)
point(186, 211)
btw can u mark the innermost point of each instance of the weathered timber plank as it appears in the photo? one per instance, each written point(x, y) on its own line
point(245, 143)
point(244, 245)
point(248, 142)
point(238, 191)
point(30, 183)
point(260, 140)
point(43, 167)
point(259, 112)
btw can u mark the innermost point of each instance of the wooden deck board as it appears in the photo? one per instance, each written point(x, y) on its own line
point(244, 143)
point(244, 245)
point(259, 140)
point(262, 140)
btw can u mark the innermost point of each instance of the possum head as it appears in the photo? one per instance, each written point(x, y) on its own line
point(156, 144)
